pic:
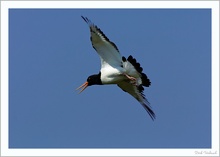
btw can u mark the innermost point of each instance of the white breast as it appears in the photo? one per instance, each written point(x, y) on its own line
point(111, 75)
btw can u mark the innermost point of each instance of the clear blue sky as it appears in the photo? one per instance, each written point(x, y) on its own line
point(51, 55)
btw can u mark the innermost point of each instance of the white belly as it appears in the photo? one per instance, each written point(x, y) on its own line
point(110, 75)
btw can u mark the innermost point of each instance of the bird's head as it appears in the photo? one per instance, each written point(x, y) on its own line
point(91, 80)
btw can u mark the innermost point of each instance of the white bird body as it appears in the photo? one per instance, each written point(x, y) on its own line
point(113, 77)
point(115, 69)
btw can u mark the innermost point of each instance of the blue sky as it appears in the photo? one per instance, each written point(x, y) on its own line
point(50, 55)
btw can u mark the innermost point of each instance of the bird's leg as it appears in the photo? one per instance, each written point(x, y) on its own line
point(132, 79)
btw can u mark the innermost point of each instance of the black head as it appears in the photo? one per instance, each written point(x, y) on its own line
point(91, 80)
point(94, 80)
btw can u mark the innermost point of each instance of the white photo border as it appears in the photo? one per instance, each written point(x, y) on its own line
point(6, 5)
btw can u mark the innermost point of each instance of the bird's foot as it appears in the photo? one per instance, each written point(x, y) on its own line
point(133, 80)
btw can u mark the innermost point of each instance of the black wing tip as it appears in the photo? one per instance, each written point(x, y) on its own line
point(140, 89)
point(152, 115)
point(86, 20)
point(124, 59)
point(146, 103)
point(145, 81)
point(149, 111)
point(134, 62)
point(94, 28)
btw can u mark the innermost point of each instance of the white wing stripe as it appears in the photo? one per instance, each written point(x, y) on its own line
point(106, 49)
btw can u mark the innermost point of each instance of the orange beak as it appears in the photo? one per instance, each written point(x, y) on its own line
point(83, 87)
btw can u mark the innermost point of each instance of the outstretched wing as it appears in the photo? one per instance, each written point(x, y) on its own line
point(137, 93)
point(106, 49)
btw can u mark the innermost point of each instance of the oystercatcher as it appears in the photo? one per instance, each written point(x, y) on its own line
point(116, 69)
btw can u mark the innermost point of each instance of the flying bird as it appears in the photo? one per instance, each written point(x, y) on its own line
point(116, 69)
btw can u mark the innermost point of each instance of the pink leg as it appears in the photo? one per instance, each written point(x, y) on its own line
point(132, 79)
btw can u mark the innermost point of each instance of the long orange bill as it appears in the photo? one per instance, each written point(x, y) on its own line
point(83, 87)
